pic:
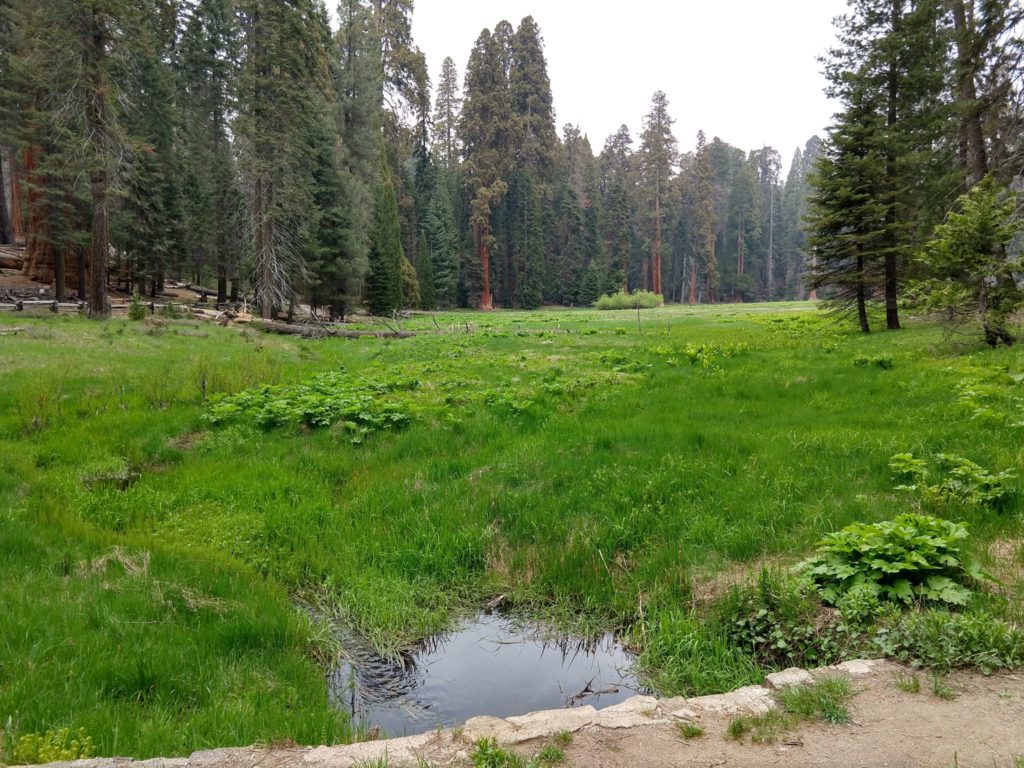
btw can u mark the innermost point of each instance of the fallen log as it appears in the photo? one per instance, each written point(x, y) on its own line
point(203, 292)
point(11, 331)
point(7, 261)
point(314, 331)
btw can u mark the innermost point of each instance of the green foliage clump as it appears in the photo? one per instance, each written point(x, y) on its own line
point(914, 557)
point(944, 641)
point(550, 755)
point(824, 700)
point(964, 481)
point(635, 300)
point(778, 623)
point(690, 730)
point(487, 754)
point(883, 361)
point(136, 309)
point(327, 399)
point(62, 745)
point(708, 355)
point(992, 397)
point(171, 312)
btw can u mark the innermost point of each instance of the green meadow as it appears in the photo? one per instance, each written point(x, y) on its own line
point(174, 496)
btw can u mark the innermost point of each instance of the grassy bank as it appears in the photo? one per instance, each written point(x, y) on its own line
point(598, 471)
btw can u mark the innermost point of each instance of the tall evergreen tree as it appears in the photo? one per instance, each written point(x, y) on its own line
point(848, 203)
point(744, 227)
point(384, 292)
point(534, 154)
point(891, 60)
point(617, 184)
point(147, 226)
point(703, 258)
point(212, 201)
point(485, 131)
point(448, 105)
point(657, 156)
point(286, 82)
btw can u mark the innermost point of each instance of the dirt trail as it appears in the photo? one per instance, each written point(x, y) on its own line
point(982, 726)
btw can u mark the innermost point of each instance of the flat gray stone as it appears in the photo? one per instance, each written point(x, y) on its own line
point(753, 699)
point(685, 713)
point(631, 713)
point(538, 725)
point(788, 678)
point(856, 667)
point(486, 727)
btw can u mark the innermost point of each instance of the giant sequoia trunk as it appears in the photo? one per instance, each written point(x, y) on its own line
point(486, 302)
point(656, 256)
point(6, 230)
point(45, 261)
point(17, 222)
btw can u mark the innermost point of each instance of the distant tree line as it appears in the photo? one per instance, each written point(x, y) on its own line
point(258, 148)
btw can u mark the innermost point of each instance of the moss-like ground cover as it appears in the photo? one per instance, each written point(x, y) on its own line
point(161, 512)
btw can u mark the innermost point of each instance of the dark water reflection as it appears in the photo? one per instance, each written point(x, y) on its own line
point(489, 666)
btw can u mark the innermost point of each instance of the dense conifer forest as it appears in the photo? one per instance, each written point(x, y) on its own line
point(287, 156)
point(259, 148)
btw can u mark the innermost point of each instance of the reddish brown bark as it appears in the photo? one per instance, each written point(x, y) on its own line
point(656, 256)
point(17, 223)
point(692, 298)
point(485, 264)
point(39, 249)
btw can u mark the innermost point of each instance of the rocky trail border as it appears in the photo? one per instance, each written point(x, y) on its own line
point(891, 728)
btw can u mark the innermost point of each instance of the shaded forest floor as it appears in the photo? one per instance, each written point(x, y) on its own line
point(163, 511)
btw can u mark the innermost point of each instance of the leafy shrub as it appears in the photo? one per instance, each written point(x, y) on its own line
point(623, 300)
point(944, 641)
point(779, 623)
point(908, 470)
point(327, 399)
point(969, 483)
point(912, 557)
point(136, 309)
point(708, 355)
point(992, 396)
point(965, 481)
point(53, 746)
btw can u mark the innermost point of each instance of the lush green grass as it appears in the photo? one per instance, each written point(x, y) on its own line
point(592, 470)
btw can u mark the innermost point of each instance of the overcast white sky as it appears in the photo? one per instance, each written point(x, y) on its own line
point(743, 70)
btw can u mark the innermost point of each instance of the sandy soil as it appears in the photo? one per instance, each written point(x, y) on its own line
point(982, 726)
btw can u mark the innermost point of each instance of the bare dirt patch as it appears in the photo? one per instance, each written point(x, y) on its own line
point(982, 726)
